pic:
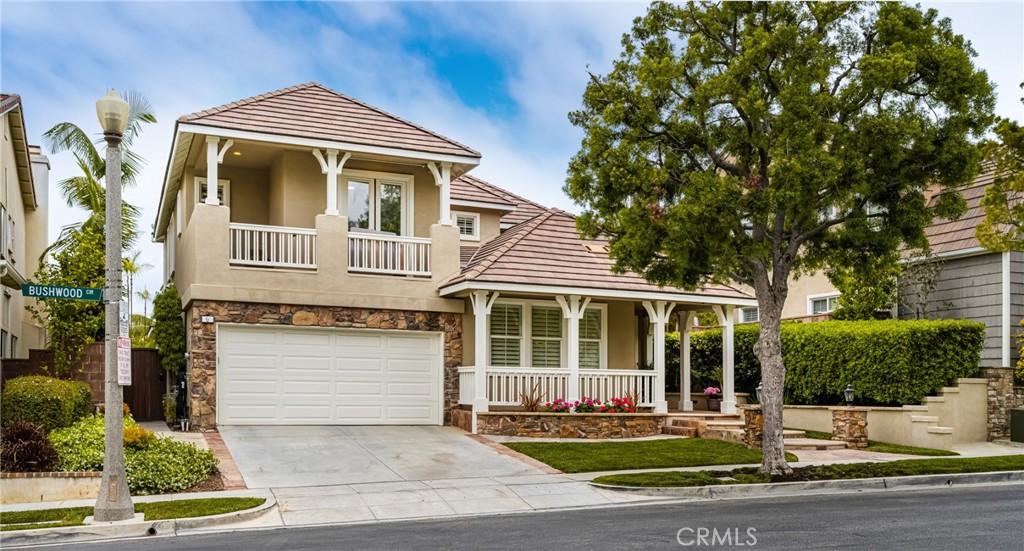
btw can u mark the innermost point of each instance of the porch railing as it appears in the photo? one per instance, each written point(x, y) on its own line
point(272, 246)
point(388, 254)
point(507, 385)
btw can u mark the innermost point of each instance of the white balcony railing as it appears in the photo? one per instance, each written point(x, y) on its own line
point(388, 254)
point(272, 246)
point(507, 385)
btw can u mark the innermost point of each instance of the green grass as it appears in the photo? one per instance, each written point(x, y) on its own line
point(883, 447)
point(157, 510)
point(746, 475)
point(583, 457)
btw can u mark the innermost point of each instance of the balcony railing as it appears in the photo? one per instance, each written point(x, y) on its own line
point(388, 254)
point(507, 385)
point(273, 246)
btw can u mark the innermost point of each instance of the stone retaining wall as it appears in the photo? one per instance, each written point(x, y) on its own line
point(202, 341)
point(1001, 399)
point(570, 425)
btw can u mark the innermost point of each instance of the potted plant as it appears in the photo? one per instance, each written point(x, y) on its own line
point(713, 394)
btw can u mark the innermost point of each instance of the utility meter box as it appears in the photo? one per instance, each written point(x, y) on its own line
point(1017, 425)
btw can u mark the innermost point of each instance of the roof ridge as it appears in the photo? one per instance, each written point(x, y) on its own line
point(397, 118)
point(514, 238)
point(250, 100)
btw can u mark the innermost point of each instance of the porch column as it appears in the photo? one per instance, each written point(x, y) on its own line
point(443, 179)
point(572, 309)
point(214, 157)
point(481, 310)
point(659, 312)
point(685, 325)
point(331, 166)
point(727, 319)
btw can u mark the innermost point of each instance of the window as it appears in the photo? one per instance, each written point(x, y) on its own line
point(469, 225)
point(3, 232)
point(506, 326)
point(546, 336)
point(223, 191)
point(13, 352)
point(750, 315)
point(590, 339)
point(378, 202)
point(3, 344)
point(10, 238)
point(822, 304)
point(4, 333)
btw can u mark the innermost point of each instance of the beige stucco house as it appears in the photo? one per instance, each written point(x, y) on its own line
point(339, 265)
point(23, 228)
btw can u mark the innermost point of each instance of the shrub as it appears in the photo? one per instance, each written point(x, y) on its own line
point(48, 402)
point(170, 402)
point(153, 464)
point(24, 448)
point(888, 362)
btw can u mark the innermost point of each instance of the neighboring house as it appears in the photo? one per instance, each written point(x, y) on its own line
point(811, 297)
point(23, 228)
point(975, 283)
point(338, 265)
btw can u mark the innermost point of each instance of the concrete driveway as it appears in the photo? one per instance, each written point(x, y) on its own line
point(282, 457)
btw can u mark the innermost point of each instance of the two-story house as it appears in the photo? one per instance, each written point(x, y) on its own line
point(23, 228)
point(338, 265)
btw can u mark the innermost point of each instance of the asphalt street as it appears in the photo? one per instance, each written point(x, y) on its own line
point(957, 518)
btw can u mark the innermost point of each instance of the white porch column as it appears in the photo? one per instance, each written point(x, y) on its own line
point(481, 310)
point(685, 325)
point(659, 312)
point(214, 157)
point(331, 166)
point(443, 179)
point(727, 319)
point(572, 310)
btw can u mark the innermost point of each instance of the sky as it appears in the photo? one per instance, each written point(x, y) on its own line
point(498, 77)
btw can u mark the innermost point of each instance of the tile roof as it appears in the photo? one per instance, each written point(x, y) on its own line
point(312, 110)
point(548, 250)
point(955, 235)
point(466, 253)
point(8, 101)
point(471, 188)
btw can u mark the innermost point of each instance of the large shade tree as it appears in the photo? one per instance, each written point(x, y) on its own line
point(1003, 227)
point(749, 142)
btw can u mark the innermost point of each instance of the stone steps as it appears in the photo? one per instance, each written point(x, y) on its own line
point(689, 432)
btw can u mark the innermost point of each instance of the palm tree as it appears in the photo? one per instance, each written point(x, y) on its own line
point(85, 190)
point(146, 297)
point(132, 266)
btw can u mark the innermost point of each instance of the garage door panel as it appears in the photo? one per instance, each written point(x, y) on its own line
point(275, 375)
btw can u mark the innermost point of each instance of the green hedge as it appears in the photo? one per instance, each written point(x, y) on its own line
point(888, 362)
point(48, 402)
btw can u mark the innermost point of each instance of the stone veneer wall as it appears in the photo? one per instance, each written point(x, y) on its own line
point(1001, 399)
point(850, 425)
point(570, 425)
point(202, 341)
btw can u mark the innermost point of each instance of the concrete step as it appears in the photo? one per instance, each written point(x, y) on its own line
point(915, 407)
point(703, 415)
point(940, 430)
point(813, 444)
point(788, 433)
point(933, 400)
point(690, 432)
point(949, 390)
point(724, 424)
point(924, 418)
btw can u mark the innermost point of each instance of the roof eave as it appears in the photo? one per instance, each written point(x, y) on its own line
point(448, 290)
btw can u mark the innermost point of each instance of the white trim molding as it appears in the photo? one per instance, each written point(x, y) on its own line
point(614, 294)
point(483, 205)
point(475, 216)
point(816, 296)
point(1007, 338)
point(332, 167)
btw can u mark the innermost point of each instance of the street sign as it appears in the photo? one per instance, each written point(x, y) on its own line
point(60, 292)
point(124, 319)
point(124, 361)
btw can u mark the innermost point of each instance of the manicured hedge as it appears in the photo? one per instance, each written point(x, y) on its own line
point(48, 402)
point(888, 362)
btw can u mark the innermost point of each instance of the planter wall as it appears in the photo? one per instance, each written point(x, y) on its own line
point(570, 425)
point(38, 487)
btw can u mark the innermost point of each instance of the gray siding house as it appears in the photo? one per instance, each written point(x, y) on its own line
point(975, 283)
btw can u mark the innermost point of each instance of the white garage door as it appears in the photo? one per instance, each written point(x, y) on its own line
point(297, 376)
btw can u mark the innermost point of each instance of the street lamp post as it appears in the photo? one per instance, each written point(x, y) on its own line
point(115, 501)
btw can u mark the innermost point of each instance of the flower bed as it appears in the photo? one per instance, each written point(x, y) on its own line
point(570, 425)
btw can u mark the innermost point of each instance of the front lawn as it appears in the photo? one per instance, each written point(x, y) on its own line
point(157, 510)
point(746, 475)
point(584, 457)
point(882, 447)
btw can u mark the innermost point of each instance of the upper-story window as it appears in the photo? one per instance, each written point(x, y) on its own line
point(7, 242)
point(223, 191)
point(379, 202)
point(822, 304)
point(469, 225)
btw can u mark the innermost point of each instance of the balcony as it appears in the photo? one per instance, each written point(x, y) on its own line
point(388, 254)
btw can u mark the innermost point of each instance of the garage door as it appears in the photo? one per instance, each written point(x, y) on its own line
point(297, 376)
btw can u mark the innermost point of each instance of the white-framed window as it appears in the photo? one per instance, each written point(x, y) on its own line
point(173, 231)
point(223, 191)
point(5, 334)
point(750, 315)
point(546, 338)
point(179, 211)
point(378, 201)
point(469, 225)
point(3, 232)
point(823, 303)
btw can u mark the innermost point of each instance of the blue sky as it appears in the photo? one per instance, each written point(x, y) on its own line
point(499, 77)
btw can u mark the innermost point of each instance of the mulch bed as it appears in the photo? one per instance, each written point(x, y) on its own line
point(212, 483)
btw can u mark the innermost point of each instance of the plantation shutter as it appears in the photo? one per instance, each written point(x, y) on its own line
point(590, 339)
point(546, 336)
point(506, 335)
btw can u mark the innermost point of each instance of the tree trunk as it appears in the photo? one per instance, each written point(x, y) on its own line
point(771, 297)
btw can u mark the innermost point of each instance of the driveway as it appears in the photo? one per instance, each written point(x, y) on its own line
point(282, 457)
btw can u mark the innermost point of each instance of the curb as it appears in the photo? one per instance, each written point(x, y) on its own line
point(131, 529)
point(821, 486)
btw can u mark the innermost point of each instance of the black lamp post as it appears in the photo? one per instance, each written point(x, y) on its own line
point(848, 395)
